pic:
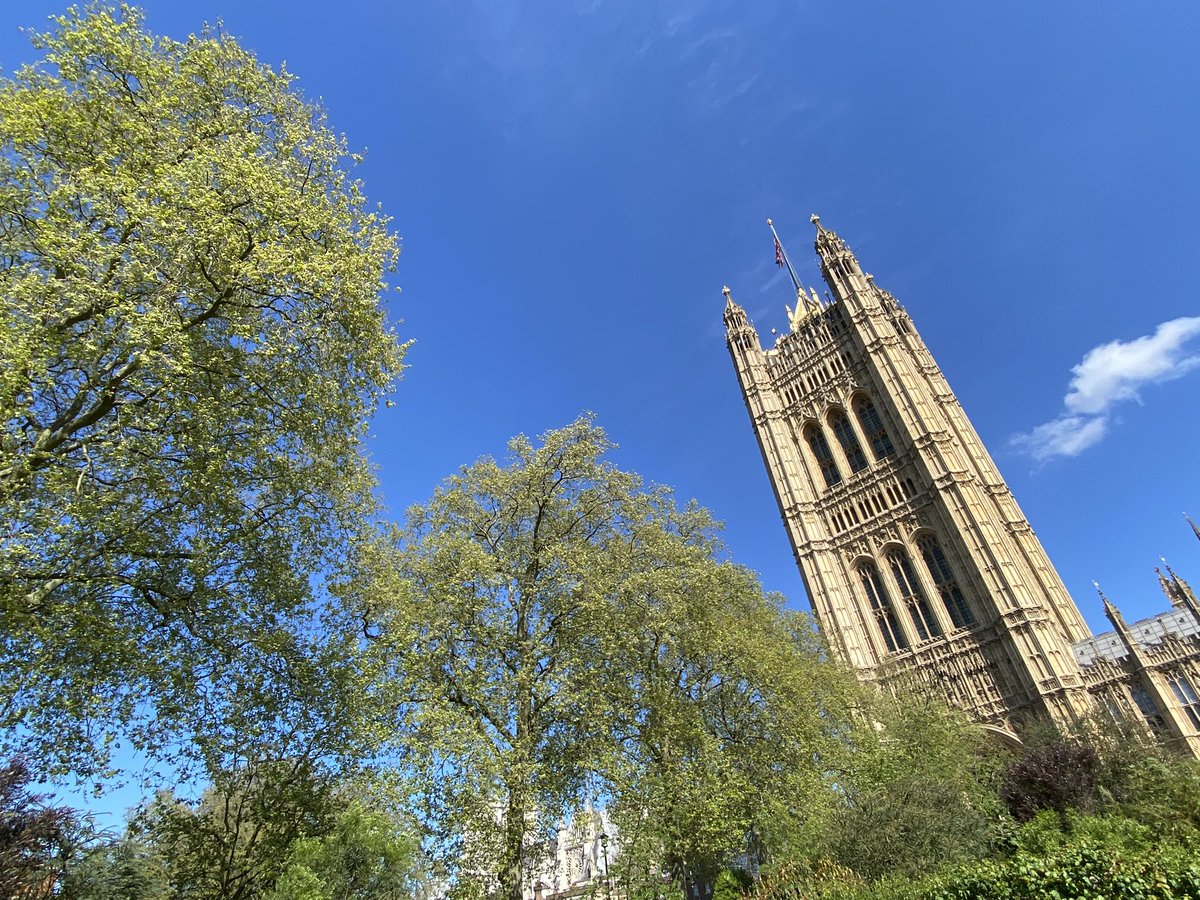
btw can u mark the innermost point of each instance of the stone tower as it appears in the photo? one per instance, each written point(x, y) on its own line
point(917, 560)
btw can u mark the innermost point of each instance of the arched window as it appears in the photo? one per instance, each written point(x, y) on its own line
point(820, 448)
point(912, 595)
point(872, 426)
point(947, 584)
point(849, 441)
point(881, 605)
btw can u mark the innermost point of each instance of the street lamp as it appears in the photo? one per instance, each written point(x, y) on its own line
point(604, 849)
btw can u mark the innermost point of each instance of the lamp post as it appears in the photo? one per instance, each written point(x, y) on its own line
point(604, 850)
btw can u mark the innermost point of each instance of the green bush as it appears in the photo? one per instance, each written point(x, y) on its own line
point(731, 884)
point(1077, 857)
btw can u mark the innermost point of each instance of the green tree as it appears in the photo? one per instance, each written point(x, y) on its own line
point(127, 867)
point(920, 789)
point(728, 723)
point(554, 627)
point(191, 340)
point(366, 855)
point(233, 843)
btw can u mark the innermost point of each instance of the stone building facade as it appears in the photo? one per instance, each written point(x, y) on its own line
point(576, 862)
point(917, 560)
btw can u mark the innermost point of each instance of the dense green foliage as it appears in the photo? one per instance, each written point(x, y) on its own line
point(365, 855)
point(275, 833)
point(1134, 832)
point(553, 627)
point(919, 791)
point(191, 340)
point(1094, 858)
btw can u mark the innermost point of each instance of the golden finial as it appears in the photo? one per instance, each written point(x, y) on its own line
point(815, 219)
point(769, 222)
point(725, 291)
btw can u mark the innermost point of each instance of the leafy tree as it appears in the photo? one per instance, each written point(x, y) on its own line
point(366, 855)
point(555, 627)
point(1164, 794)
point(233, 843)
point(34, 836)
point(127, 867)
point(731, 884)
point(729, 722)
point(191, 340)
point(920, 790)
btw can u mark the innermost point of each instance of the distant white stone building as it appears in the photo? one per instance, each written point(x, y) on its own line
point(577, 860)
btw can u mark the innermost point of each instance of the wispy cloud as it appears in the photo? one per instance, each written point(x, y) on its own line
point(549, 71)
point(1107, 375)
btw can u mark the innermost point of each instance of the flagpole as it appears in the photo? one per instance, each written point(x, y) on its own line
point(787, 262)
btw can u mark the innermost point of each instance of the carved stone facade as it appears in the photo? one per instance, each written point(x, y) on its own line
point(576, 862)
point(1150, 669)
point(917, 560)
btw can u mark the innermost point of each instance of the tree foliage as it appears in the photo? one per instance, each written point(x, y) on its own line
point(1094, 858)
point(729, 723)
point(556, 628)
point(920, 790)
point(127, 867)
point(233, 842)
point(366, 855)
point(191, 339)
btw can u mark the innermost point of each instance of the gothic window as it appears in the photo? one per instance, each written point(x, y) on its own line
point(1187, 698)
point(872, 426)
point(881, 606)
point(947, 584)
point(846, 437)
point(912, 595)
point(1148, 708)
point(820, 448)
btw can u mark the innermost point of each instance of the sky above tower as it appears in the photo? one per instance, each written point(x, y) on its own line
point(575, 181)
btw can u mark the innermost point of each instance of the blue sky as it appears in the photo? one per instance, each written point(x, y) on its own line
point(575, 181)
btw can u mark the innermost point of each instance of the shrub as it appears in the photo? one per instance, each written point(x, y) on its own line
point(1058, 777)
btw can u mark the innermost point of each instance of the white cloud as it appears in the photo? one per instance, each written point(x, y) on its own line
point(1116, 370)
point(1065, 436)
point(1106, 375)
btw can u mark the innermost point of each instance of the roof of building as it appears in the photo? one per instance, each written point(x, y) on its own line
point(1146, 632)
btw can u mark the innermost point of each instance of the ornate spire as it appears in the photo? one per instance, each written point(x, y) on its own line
point(827, 241)
point(1195, 528)
point(1171, 572)
point(735, 316)
point(1168, 587)
point(839, 266)
point(1114, 615)
point(1108, 604)
point(1179, 591)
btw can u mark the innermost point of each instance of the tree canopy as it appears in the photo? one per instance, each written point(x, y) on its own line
point(555, 628)
point(191, 340)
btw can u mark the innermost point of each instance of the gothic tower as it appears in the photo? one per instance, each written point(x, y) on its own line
point(916, 558)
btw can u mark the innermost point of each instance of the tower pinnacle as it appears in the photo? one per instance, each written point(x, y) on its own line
point(735, 316)
point(838, 263)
